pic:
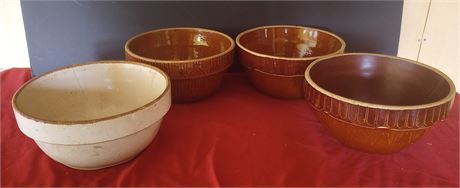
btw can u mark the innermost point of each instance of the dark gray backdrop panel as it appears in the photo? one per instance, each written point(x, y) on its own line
point(60, 33)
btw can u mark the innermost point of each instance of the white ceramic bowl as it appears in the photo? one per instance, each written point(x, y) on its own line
point(94, 115)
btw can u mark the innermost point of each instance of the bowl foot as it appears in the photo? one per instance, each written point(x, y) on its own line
point(367, 139)
point(195, 89)
point(100, 167)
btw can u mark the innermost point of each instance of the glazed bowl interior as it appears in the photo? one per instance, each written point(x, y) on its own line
point(90, 92)
point(382, 80)
point(178, 44)
point(290, 42)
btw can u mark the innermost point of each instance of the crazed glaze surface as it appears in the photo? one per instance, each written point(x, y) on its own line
point(280, 53)
point(377, 103)
point(190, 56)
point(103, 103)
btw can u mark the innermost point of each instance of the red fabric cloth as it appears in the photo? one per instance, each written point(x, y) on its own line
point(238, 137)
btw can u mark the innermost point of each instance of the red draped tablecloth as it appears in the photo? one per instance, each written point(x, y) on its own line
point(237, 137)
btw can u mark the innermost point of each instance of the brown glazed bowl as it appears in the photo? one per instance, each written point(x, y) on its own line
point(377, 103)
point(276, 57)
point(195, 59)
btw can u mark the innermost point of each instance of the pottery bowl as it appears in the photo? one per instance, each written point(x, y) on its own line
point(195, 59)
point(377, 103)
point(93, 115)
point(281, 51)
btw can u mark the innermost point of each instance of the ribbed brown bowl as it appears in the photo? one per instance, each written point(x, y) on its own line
point(283, 51)
point(377, 103)
point(195, 59)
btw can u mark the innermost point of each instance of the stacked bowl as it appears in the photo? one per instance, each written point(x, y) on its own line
point(275, 57)
point(195, 59)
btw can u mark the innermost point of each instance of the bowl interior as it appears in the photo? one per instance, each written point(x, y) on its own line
point(90, 92)
point(290, 42)
point(380, 80)
point(179, 44)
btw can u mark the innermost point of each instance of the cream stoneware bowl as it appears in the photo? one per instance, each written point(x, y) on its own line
point(94, 115)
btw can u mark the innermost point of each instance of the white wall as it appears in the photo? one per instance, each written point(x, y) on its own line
point(12, 36)
point(430, 34)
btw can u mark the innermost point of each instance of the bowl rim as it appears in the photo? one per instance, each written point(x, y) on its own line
point(95, 120)
point(445, 99)
point(131, 53)
point(341, 49)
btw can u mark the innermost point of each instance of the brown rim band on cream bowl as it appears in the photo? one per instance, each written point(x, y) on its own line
point(93, 115)
point(55, 105)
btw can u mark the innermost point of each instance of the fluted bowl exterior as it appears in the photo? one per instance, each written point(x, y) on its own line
point(370, 127)
point(275, 57)
point(194, 74)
